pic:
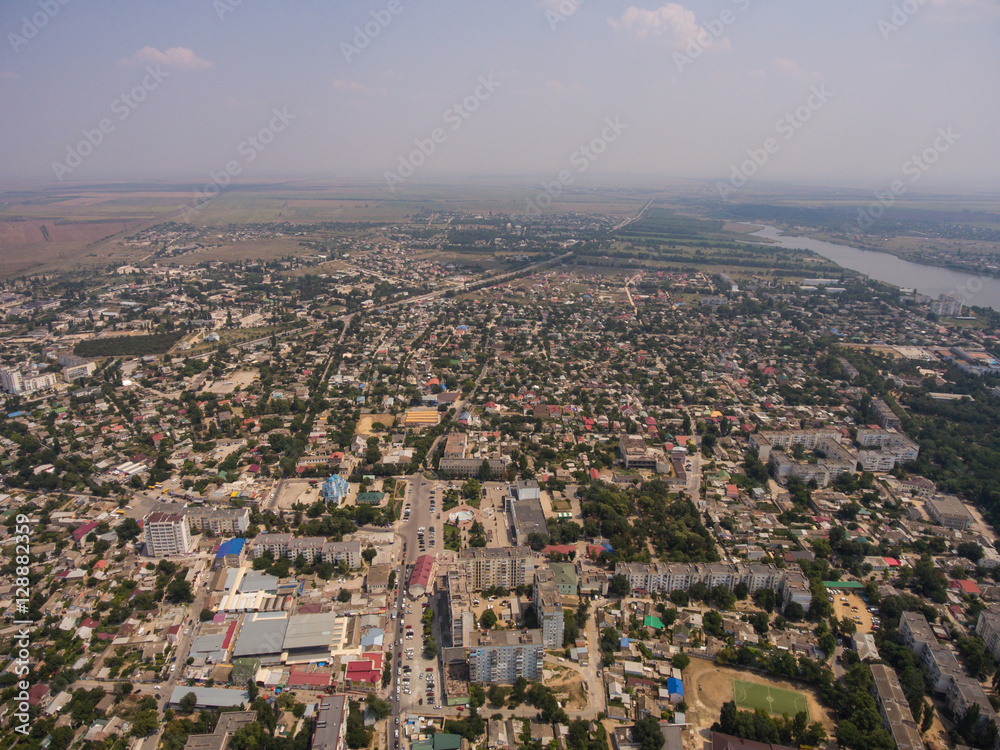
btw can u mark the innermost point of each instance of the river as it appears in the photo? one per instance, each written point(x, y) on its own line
point(983, 291)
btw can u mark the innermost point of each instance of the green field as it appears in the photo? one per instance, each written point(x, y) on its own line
point(753, 695)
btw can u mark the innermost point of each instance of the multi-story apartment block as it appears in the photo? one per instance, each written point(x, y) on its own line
point(988, 628)
point(884, 415)
point(219, 521)
point(667, 577)
point(962, 693)
point(461, 620)
point(836, 460)
point(166, 534)
point(894, 708)
point(548, 608)
point(501, 656)
point(311, 548)
point(767, 440)
point(13, 380)
point(492, 566)
point(916, 632)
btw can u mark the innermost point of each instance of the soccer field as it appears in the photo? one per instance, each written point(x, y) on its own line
point(753, 695)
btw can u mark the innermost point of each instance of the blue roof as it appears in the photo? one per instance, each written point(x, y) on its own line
point(675, 686)
point(232, 547)
point(625, 642)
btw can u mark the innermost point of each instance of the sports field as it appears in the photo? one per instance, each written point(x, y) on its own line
point(753, 695)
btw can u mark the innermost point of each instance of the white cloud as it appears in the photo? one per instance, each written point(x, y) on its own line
point(175, 57)
point(8, 75)
point(672, 22)
point(793, 69)
point(558, 87)
point(352, 86)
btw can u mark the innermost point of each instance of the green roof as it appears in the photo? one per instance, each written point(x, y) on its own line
point(438, 741)
point(843, 584)
point(370, 498)
point(564, 574)
point(651, 621)
point(444, 741)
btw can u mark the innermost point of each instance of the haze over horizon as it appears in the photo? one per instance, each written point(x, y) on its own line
point(833, 93)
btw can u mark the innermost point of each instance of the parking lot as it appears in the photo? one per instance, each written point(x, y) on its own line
point(853, 607)
point(416, 678)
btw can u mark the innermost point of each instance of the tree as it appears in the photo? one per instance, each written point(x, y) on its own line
point(477, 696)
point(488, 619)
point(61, 738)
point(129, 529)
point(188, 702)
point(344, 596)
point(712, 622)
point(794, 611)
point(766, 599)
point(537, 541)
point(928, 719)
point(680, 661)
point(379, 707)
point(144, 723)
point(970, 551)
point(369, 554)
point(430, 647)
point(179, 590)
point(619, 586)
point(647, 734)
point(977, 659)
point(497, 694)
point(357, 736)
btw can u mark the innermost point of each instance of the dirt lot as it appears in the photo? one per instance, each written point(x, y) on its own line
point(707, 687)
point(242, 378)
point(367, 420)
point(846, 609)
point(567, 683)
point(296, 491)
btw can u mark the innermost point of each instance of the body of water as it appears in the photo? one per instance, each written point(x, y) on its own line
point(983, 291)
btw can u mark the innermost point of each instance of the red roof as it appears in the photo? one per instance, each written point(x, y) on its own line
point(966, 586)
point(421, 575)
point(309, 679)
point(229, 635)
point(892, 562)
point(595, 474)
point(367, 669)
point(81, 531)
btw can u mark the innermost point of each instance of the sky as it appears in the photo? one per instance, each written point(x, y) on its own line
point(819, 92)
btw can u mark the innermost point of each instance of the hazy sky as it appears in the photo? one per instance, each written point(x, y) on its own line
point(692, 87)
